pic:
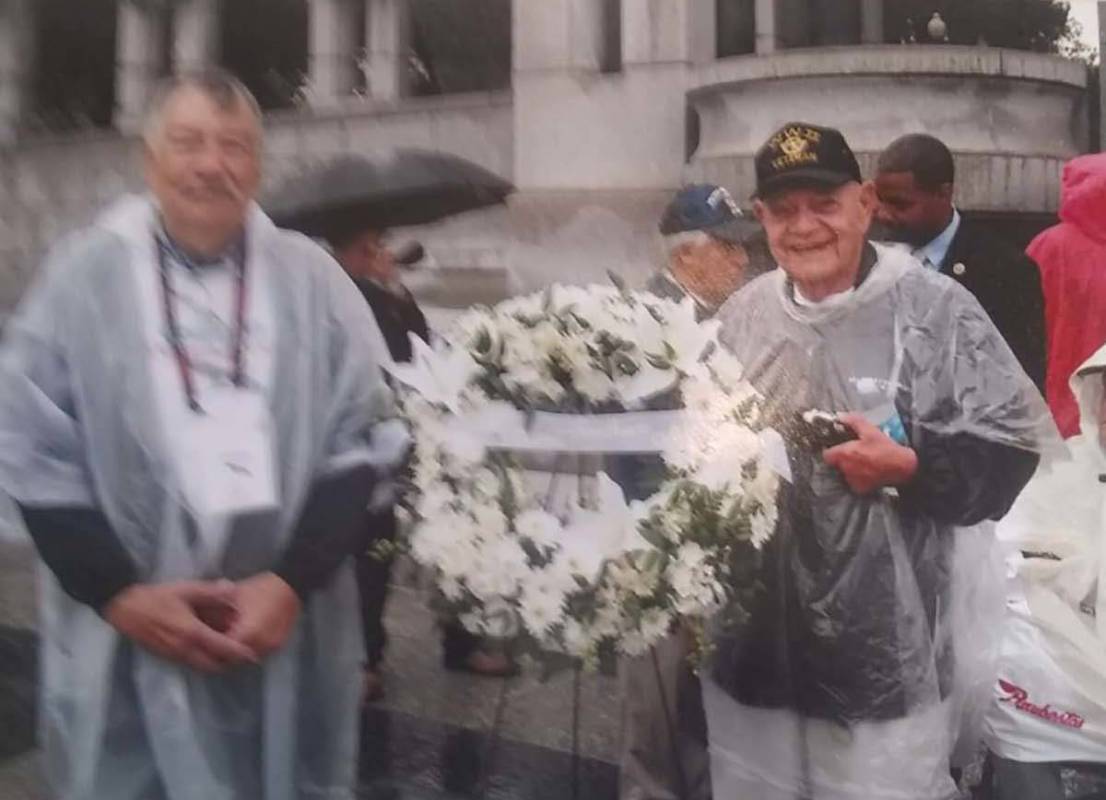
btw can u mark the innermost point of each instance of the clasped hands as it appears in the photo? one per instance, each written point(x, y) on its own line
point(873, 460)
point(207, 625)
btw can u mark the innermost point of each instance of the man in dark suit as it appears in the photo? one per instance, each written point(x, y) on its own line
point(914, 181)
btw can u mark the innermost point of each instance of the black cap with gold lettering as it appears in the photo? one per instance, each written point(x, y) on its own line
point(801, 154)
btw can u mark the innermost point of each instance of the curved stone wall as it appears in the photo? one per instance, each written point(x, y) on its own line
point(1012, 118)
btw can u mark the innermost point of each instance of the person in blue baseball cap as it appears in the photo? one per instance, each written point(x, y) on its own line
point(712, 252)
point(711, 246)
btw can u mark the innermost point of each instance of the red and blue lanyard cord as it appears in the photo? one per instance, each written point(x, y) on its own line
point(176, 340)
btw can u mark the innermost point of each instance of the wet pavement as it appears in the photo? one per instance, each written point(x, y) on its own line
point(428, 739)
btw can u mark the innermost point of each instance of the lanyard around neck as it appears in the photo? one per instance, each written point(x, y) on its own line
point(176, 340)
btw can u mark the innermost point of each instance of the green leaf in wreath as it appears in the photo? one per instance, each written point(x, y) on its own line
point(626, 365)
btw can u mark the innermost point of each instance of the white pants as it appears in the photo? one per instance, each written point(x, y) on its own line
point(775, 754)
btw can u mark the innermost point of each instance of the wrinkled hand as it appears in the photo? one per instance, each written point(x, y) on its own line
point(873, 460)
point(267, 610)
point(179, 621)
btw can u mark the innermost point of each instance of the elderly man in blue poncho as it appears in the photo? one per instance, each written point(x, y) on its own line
point(193, 421)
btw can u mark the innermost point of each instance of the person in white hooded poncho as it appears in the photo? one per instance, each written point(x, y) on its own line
point(851, 668)
point(193, 421)
point(1049, 705)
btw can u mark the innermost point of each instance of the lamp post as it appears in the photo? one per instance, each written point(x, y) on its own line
point(937, 28)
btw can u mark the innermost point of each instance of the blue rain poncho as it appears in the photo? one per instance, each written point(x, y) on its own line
point(873, 634)
point(83, 424)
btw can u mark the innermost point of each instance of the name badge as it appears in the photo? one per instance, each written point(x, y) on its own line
point(225, 460)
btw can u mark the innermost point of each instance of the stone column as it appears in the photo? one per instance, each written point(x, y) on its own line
point(557, 35)
point(768, 39)
point(332, 50)
point(196, 31)
point(387, 42)
point(871, 21)
point(139, 37)
point(16, 63)
point(668, 31)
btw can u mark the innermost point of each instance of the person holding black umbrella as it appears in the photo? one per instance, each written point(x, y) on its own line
point(351, 202)
point(375, 270)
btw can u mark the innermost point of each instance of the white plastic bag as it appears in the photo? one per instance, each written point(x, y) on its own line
point(1050, 695)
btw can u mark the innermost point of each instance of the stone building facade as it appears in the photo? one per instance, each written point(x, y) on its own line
point(613, 105)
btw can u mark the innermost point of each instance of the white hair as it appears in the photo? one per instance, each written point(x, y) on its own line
point(218, 85)
point(674, 241)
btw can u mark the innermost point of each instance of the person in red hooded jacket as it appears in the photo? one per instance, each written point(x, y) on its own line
point(1072, 259)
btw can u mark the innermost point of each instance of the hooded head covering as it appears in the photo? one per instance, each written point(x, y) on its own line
point(1083, 195)
point(1072, 259)
point(1086, 385)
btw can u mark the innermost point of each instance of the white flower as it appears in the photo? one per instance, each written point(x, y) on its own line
point(592, 537)
point(528, 305)
point(634, 644)
point(438, 374)
point(486, 483)
point(593, 384)
point(499, 569)
point(539, 526)
point(541, 607)
point(452, 589)
point(631, 577)
point(693, 581)
point(655, 624)
point(435, 499)
point(763, 525)
point(465, 449)
point(721, 465)
point(653, 627)
point(578, 640)
point(446, 541)
point(689, 337)
point(646, 383)
point(491, 522)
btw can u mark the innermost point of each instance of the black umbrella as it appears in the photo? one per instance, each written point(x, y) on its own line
point(351, 194)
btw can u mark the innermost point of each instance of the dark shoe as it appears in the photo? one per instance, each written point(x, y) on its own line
point(372, 687)
point(485, 663)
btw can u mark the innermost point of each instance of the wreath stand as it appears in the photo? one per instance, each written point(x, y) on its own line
point(491, 748)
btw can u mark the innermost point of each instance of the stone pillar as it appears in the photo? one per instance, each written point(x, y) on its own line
point(871, 21)
point(668, 31)
point(16, 63)
point(557, 35)
point(768, 39)
point(139, 38)
point(580, 125)
point(196, 31)
point(332, 50)
point(387, 42)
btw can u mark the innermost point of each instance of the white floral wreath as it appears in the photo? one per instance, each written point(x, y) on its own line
point(597, 574)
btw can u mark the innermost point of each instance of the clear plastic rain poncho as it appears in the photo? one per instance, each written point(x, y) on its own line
point(81, 425)
point(872, 640)
point(1050, 696)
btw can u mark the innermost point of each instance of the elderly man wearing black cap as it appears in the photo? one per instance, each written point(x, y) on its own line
point(713, 249)
point(848, 675)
